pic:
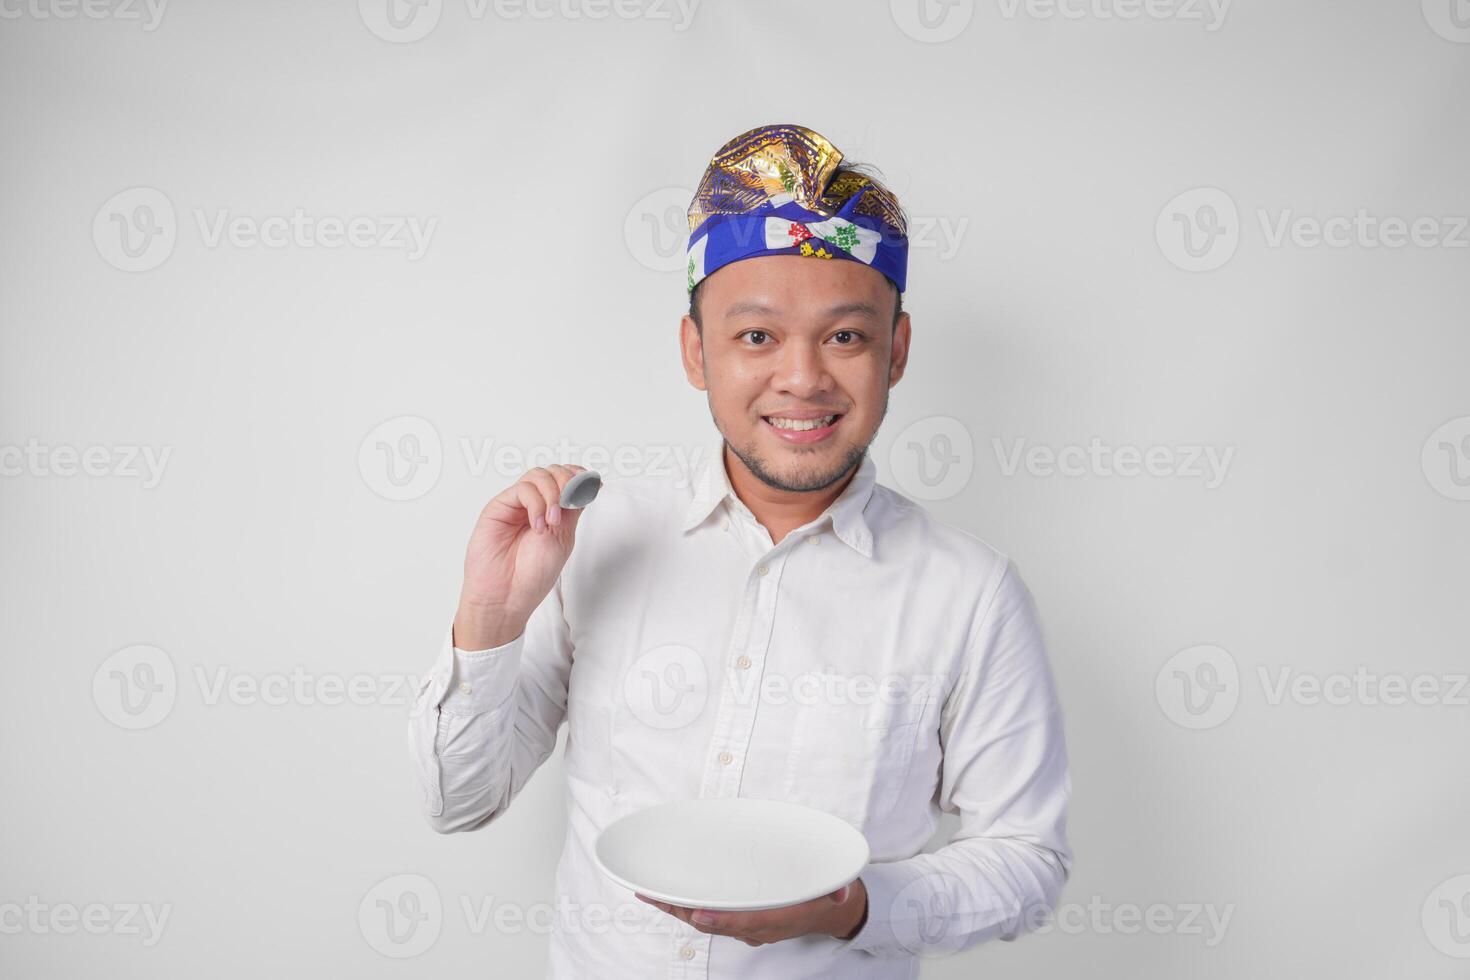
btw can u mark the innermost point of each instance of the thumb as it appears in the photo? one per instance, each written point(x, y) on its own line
point(569, 518)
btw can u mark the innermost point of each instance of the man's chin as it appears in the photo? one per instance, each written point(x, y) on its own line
point(801, 469)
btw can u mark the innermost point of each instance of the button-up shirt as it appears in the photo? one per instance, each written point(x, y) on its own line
point(876, 663)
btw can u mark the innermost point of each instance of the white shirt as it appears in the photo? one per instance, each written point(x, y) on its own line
point(877, 664)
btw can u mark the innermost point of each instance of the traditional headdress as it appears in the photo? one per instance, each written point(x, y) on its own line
point(776, 190)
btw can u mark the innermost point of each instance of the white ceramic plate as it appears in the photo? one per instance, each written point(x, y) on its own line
point(731, 853)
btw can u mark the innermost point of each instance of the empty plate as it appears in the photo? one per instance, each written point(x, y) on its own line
point(731, 853)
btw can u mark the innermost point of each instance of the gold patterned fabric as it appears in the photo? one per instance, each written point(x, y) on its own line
point(781, 188)
point(768, 160)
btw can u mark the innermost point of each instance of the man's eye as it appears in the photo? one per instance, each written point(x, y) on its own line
point(844, 338)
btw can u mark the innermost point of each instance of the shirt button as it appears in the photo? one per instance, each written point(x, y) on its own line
point(464, 688)
point(725, 758)
point(742, 662)
point(763, 569)
point(725, 524)
point(815, 539)
point(687, 952)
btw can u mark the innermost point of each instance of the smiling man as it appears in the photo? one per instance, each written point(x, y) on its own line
point(777, 626)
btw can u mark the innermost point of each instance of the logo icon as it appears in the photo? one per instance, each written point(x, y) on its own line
point(925, 914)
point(1446, 917)
point(1446, 459)
point(1198, 687)
point(1199, 230)
point(933, 458)
point(135, 688)
point(401, 916)
point(402, 458)
point(656, 230)
point(932, 21)
point(1450, 19)
point(666, 687)
point(400, 21)
point(135, 230)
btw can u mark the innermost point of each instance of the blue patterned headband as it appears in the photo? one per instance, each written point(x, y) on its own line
point(777, 190)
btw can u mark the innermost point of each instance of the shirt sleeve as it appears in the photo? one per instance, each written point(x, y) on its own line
point(1005, 774)
point(483, 721)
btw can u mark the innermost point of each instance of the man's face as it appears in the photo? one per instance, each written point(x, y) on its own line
point(789, 337)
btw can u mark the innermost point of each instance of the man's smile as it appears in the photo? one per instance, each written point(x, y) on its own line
point(803, 427)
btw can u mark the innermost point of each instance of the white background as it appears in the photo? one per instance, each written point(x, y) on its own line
point(1056, 157)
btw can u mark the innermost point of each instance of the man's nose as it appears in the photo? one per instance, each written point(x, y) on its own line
point(801, 369)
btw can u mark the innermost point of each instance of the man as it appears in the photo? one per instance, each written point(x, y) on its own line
point(777, 627)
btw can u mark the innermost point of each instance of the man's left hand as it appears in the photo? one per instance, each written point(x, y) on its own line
point(840, 915)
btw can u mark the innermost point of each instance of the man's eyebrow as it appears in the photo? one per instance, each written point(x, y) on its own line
point(847, 309)
point(832, 312)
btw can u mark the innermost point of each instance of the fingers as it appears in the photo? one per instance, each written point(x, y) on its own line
point(537, 493)
point(550, 491)
point(744, 926)
point(531, 499)
point(563, 516)
point(677, 911)
point(751, 932)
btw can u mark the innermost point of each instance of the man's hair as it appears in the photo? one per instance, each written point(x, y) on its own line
point(860, 168)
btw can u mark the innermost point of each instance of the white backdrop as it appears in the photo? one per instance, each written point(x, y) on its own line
point(279, 280)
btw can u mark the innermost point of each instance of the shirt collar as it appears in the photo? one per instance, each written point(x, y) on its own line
point(712, 485)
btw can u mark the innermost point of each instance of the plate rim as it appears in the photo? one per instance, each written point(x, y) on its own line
point(684, 901)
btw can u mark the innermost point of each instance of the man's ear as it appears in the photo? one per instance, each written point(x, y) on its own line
point(899, 357)
point(691, 347)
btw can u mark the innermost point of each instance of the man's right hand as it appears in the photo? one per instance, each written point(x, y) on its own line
point(518, 548)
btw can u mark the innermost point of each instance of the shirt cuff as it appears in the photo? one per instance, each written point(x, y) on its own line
point(465, 683)
point(888, 884)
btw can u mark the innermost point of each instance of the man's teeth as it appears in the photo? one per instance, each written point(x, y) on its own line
point(801, 425)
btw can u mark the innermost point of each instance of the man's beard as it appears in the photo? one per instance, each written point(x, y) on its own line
point(804, 482)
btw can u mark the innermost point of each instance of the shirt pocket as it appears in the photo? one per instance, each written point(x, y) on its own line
point(657, 715)
point(852, 760)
